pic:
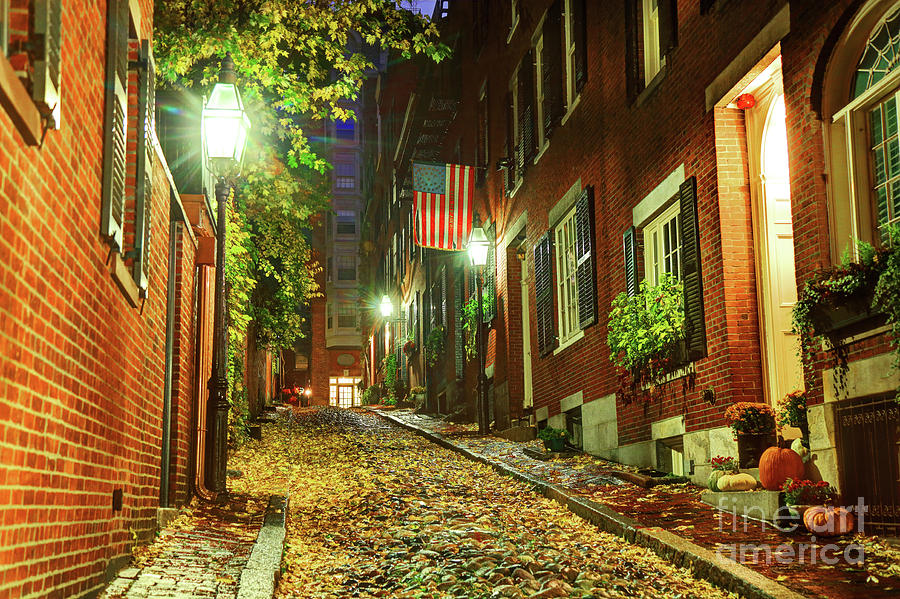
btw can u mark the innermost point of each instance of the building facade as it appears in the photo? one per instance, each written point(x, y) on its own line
point(105, 299)
point(730, 146)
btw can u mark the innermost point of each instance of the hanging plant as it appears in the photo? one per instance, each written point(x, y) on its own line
point(850, 292)
point(434, 346)
point(469, 320)
point(645, 333)
point(410, 348)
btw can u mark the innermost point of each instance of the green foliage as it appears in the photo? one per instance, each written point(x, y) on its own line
point(548, 433)
point(390, 378)
point(434, 346)
point(791, 410)
point(371, 396)
point(872, 284)
point(469, 320)
point(644, 332)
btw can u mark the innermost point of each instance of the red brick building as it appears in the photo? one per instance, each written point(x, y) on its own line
point(105, 297)
point(614, 149)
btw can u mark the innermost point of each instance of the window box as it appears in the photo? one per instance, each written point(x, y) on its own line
point(850, 318)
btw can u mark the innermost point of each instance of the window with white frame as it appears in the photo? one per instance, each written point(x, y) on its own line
point(346, 316)
point(329, 316)
point(345, 175)
point(346, 222)
point(864, 134)
point(652, 60)
point(345, 130)
point(662, 245)
point(570, 46)
point(566, 284)
point(539, 67)
point(515, 129)
point(346, 268)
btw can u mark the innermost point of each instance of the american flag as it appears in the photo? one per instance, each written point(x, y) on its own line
point(443, 204)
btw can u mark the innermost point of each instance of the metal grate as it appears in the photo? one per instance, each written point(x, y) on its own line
point(868, 433)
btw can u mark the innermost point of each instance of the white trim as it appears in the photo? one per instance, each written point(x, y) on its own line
point(409, 106)
point(571, 402)
point(543, 150)
point(656, 200)
point(514, 229)
point(570, 341)
point(565, 203)
point(571, 110)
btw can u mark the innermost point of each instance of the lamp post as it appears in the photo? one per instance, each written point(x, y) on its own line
point(225, 127)
point(478, 253)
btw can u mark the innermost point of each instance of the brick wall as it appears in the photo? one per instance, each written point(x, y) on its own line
point(81, 385)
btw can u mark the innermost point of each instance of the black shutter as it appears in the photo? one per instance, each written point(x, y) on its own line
point(114, 124)
point(543, 294)
point(526, 112)
point(510, 172)
point(552, 68)
point(706, 6)
point(46, 43)
point(629, 245)
point(584, 255)
point(444, 296)
point(695, 324)
point(668, 26)
point(143, 169)
point(489, 289)
point(632, 53)
point(579, 35)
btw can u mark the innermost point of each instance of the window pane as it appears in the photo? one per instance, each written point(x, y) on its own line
point(344, 129)
point(876, 125)
point(890, 117)
point(879, 166)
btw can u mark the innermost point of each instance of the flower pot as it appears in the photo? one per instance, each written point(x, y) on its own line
point(751, 447)
point(554, 444)
point(854, 315)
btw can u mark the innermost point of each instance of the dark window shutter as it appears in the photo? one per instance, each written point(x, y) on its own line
point(444, 296)
point(46, 44)
point(489, 290)
point(552, 67)
point(668, 25)
point(543, 294)
point(116, 111)
point(579, 35)
point(144, 170)
point(510, 171)
point(584, 254)
point(526, 112)
point(706, 6)
point(632, 53)
point(459, 342)
point(695, 323)
point(629, 244)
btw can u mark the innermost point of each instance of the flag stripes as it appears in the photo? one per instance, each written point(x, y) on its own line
point(443, 220)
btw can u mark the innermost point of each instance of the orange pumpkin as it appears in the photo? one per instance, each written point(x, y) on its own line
point(777, 465)
point(828, 521)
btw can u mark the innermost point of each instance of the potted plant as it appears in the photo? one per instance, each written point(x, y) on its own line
point(410, 348)
point(554, 438)
point(753, 425)
point(646, 336)
point(434, 346)
point(810, 501)
point(721, 465)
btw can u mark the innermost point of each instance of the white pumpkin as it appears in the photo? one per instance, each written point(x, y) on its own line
point(798, 446)
point(737, 482)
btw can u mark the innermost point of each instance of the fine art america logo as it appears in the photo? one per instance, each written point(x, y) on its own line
point(815, 549)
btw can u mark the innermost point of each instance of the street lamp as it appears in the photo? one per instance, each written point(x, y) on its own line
point(387, 308)
point(477, 249)
point(224, 129)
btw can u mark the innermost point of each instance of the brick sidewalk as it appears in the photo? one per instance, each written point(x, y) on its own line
point(677, 508)
point(202, 554)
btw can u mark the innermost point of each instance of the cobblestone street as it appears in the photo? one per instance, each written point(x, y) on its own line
point(379, 512)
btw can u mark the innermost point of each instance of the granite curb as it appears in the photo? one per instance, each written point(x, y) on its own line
point(704, 563)
point(260, 575)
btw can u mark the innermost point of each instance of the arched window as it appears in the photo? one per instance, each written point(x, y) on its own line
point(862, 127)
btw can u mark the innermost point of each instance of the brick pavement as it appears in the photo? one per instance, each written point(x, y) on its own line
point(202, 554)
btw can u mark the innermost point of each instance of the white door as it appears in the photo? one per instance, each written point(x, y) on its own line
point(767, 134)
point(528, 399)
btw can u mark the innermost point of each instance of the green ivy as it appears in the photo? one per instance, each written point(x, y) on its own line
point(390, 378)
point(434, 346)
point(644, 332)
point(469, 321)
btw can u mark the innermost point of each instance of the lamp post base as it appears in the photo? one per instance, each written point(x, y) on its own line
point(217, 443)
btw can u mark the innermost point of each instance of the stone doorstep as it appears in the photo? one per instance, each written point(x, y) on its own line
point(705, 564)
point(758, 505)
point(263, 568)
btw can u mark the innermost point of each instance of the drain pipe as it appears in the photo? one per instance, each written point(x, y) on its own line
point(165, 459)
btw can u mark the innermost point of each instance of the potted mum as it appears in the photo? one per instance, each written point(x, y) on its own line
point(554, 438)
point(753, 425)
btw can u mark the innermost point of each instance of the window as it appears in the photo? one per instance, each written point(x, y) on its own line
point(346, 316)
point(346, 222)
point(575, 49)
point(345, 175)
point(662, 245)
point(329, 268)
point(345, 129)
point(346, 268)
point(653, 60)
point(863, 135)
point(329, 316)
point(566, 284)
point(30, 44)
point(481, 161)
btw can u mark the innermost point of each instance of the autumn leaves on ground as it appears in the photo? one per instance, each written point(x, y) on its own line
point(378, 512)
